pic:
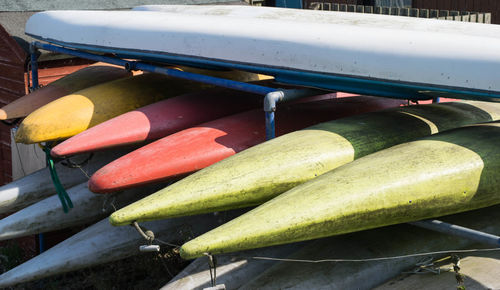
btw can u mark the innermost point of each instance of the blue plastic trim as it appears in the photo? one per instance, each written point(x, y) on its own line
point(343, 83)
point(246, 87)
point(41, 243)
point(459, 231)
point(34, 67)
point(34, 85)
point(133, 65)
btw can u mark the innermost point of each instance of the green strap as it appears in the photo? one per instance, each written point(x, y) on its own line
point(61, 193)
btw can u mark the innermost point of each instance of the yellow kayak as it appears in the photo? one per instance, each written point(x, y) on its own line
point(71, 83)
point(72, 114)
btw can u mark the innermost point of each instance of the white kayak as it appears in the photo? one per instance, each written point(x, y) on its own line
point(317, 16)
point(351, 52)
point(480, 271)
point(102, 243)
point(392, 241)
point(38, 185)
point(231, 271)
point(47, 215)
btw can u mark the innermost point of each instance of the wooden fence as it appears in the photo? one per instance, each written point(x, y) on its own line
point(411, 12)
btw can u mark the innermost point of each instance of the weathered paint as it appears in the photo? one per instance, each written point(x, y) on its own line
point(76, 81)
point(398, 240)
point(47, 215)
point(447, 173)
point(38, 185)
point(320, 16)
point(195, 148)
point(264, 171)
point(102, 243)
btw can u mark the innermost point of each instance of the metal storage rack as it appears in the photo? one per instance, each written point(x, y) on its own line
point(272, 96)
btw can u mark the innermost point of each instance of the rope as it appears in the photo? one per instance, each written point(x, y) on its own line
point(212, 265)
point(68, 163)
point(85, 173)
point(61, 192)
point(167, 244)
point(18, 154)
point(150, 236)
point(456, 268)
point(111, 203)
point(165, 265)
point(147, 234)
point(369, 259)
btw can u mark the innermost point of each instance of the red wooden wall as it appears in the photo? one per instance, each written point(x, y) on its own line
point(12, 61)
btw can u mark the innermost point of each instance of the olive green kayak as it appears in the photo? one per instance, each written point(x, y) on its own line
point(450, 172)
point(260, 173)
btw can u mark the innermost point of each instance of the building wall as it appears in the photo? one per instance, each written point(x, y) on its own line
point(492, 6)
point(13, 84)
point(482, 6)
point(12, 61)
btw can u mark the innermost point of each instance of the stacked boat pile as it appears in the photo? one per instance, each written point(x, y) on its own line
point(169, 153)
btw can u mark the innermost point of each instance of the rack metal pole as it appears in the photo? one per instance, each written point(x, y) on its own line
point(272, 95)
point(459, 231)
point(34, 67)
point(136, 65)
point(33, 86)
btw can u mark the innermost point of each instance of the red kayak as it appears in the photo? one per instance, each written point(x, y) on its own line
point(166, 117)
point(193, 149)
point(159, 120)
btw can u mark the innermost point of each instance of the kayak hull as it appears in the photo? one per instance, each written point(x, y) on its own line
point(392, 241)
point(79, 80)
point(102, 243)
point(72, 114)
point(198, 147)
point(234, 272)
point(159, 120)
point(262, 172)
point(38, 185)
point(446, 173)
point(47, 215)
point(437, 62)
